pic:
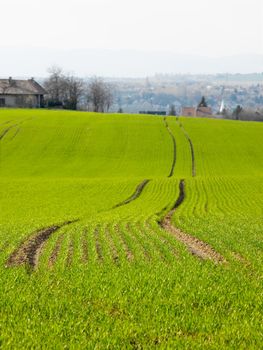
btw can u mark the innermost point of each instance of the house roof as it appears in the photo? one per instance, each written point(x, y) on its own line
point(20, 87)
point(204, 110)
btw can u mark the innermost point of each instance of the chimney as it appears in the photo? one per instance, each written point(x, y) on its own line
point(10, 80)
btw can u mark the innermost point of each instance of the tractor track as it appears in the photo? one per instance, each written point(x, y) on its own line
point(194, 245)
point(6, 131)
point(191, 148)
point(30, 249)
point(135, 195)
point(174, 146)
point(15, 133)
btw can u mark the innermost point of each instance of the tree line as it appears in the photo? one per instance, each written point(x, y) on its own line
point(67, 91)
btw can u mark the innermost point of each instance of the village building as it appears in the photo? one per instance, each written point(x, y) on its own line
point(21, 93)
point(202, 110)
point(189, 111)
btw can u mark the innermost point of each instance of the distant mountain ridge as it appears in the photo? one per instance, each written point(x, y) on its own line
point(120, 63)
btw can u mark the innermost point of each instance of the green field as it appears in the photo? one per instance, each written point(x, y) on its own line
point(130, 232)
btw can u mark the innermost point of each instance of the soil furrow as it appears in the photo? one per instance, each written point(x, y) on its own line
point(98, 245)
point(70, 253)
point(128, 252)
point(163, 240)
point(197, 247)
point(85, 250)
point(135, 195)
point(153, 243)
point(241, 259)
point(56, 250)
point(191, 148)
point(113, 249)
point(29, 251)
point(174, 146)
point(138, 241)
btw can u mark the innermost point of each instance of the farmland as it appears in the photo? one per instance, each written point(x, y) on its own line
point(125, 231)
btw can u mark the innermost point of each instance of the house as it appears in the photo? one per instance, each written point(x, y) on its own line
point(202, 110)
point(189, 111)
point(21, 93)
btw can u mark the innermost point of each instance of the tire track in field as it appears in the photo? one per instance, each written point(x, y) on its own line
point(195, 246)
point(174, 146)
point(191, 147)
point(6, 122)
point(30, 249)
point(135, 195)
point(6, 131)
point(16, 132)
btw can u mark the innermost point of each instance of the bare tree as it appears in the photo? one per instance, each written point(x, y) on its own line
point(63, 90)
point(55, 86)
point(99, 95)
point(74, 88)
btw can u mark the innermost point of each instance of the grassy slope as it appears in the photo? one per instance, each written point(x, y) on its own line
point(63, 165)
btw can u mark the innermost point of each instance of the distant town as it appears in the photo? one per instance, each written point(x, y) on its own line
point(234, 96)
point(223, 92)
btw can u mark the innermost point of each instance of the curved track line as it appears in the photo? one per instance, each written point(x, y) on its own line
point(191, 148)
point(15, 133)
point(6, 122)
point(135, 195)
point(174, 146)
point(29, 251)
point(3, 134)
point(5, 131)
point(196, 247)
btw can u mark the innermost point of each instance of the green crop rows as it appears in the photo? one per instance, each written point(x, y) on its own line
point(87, 259)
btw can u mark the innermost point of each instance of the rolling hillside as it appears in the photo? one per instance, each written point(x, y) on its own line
point(125, 231)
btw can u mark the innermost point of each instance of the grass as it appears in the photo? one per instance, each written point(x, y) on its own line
point(115, 278)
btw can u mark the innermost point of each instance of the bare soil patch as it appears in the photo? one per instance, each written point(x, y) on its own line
point(195, 246)
point(29, 251)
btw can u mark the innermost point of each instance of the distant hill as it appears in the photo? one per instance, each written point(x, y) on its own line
point(125, 63)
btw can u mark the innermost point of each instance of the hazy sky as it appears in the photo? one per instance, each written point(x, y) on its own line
point(203, 27)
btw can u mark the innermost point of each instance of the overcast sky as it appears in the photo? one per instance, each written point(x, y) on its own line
point(204, 27)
